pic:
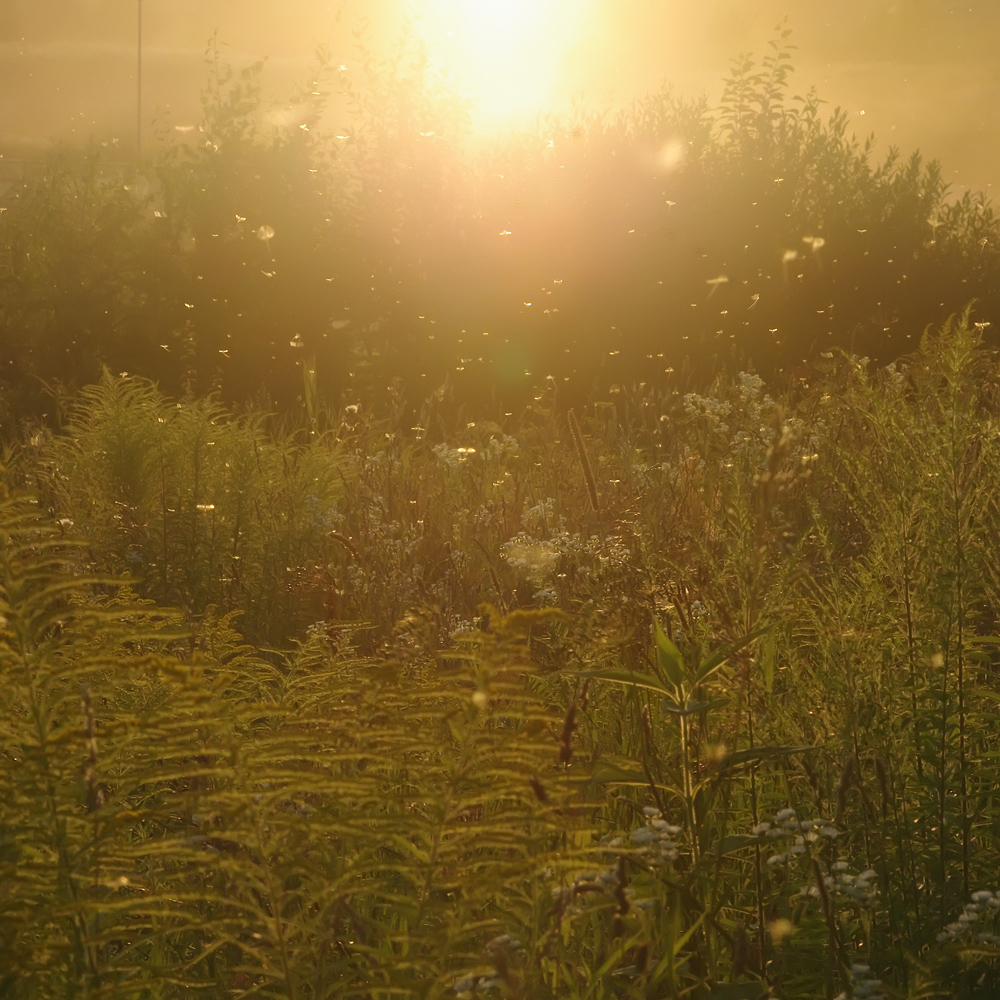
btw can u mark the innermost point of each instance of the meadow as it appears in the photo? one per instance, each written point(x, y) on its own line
point(664, 667)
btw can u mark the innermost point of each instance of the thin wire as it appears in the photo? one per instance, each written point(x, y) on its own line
point(138, 99)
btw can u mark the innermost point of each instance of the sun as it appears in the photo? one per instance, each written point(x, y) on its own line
point(508, 55)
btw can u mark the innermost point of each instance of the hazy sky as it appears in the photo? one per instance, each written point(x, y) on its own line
point(925, 73)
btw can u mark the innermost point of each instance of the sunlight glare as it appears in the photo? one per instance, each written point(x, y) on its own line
point(508, 55)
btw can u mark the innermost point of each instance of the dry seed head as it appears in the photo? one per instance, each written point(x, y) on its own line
point(581, 451)
point(539, 789)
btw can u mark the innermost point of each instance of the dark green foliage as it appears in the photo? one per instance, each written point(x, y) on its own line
point(76, 259)
point(254, 220)
point(598, 249)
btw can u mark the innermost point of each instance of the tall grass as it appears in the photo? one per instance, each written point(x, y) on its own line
point(729, 729)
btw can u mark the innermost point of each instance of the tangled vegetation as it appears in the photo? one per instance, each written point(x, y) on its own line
point(684, 695)
point(362, 241)
point(414, 585)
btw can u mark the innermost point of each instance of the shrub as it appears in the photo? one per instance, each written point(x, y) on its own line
point(198, 507)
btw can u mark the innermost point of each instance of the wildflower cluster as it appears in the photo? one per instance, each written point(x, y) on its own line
point(969, 927)
point(841, 881)
point(461, 627)
point(503, 447)
point(862, 985)
point(499, 448)
point(322, 513)
point(803, 834)
point(786, 825)
point(752, 438)
point(749, 390)
point(715, 410)
point(535, 558)
point(657, 839)
point(538, 558)
point(657, 845)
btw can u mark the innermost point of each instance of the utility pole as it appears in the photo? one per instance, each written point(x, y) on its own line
point(138, 95)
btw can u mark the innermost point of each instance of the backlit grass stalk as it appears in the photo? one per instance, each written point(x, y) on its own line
point(581, 452)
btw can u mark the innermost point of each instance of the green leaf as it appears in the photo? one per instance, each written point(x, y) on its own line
point(711, 705)
point(617, 954)
point(713, 663)
point(612, 774)
point(628, 677)
point(668, 656)
point(754, 754)
point(693, 707)
point(720, 656)
point(734, 842)
point(672, 928)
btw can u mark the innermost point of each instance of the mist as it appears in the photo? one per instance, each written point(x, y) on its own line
point(917, 73)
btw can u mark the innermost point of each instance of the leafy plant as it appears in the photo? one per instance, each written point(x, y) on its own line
point(203, 508)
